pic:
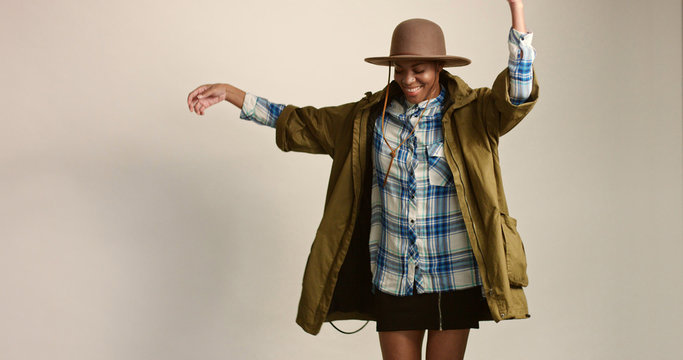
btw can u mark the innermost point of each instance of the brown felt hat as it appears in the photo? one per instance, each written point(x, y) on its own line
point(418, 39)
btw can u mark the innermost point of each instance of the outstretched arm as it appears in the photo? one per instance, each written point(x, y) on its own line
point(254, 108)
point(517, 12)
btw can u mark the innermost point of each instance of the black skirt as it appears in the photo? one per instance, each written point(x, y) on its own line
point(458, 309)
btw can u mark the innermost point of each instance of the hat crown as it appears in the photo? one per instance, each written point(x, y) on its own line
point(419, 37)
point(418, 40)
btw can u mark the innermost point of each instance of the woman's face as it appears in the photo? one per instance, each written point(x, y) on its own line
point(419, 80)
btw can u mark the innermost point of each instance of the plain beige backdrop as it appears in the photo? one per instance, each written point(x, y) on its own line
point(132, 229)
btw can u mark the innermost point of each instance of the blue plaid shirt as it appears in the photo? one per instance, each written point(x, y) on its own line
point(418, 240)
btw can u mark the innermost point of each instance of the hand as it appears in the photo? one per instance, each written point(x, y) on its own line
point(206, 95)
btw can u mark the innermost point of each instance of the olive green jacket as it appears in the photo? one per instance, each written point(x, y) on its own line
point(337, 279)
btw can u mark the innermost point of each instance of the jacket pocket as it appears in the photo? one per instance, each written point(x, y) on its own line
point(439, 172)
point(515, 255)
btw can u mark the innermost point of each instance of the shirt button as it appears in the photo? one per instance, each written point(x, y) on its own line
point(412, 221)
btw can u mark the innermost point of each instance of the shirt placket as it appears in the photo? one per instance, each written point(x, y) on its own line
point(415, 281)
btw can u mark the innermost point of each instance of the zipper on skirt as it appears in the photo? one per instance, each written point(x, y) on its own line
point(440, 317)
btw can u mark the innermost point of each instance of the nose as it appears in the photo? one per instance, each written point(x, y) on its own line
point(409, 79)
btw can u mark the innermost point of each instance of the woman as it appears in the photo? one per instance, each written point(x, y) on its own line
point(416, 233)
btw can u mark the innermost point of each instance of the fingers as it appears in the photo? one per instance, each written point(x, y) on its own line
point(192, 96)
point(203, 103)
point(198, 109)
point(200, 105)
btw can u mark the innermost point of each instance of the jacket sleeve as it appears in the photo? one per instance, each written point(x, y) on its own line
point(500, 114)
point(309, 129)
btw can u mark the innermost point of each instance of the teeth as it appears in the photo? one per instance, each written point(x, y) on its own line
point(415, 89)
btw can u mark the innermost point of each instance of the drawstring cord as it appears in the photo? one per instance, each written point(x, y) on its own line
point(393, 151)
point(349, 332)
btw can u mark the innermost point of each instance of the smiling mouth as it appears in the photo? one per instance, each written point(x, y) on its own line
point(413, 90)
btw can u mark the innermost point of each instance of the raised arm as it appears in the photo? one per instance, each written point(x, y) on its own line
point(517, 12)
point(515, 90)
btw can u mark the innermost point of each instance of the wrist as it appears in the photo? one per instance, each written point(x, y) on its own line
point(234, 95)
point(516, 5)
point(228, 90)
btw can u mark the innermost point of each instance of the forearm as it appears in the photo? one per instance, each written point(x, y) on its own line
point(517, 12)
point(520, 61)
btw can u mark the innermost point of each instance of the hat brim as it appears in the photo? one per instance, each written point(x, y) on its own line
point(447, 60)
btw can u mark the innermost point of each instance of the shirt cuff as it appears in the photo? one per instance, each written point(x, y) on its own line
point(520, 46)
point(248, 107)
point(519, 37)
